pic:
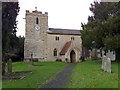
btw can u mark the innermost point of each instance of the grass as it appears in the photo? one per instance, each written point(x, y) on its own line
point(88, 74)
point(40, 73)
point(0, 84)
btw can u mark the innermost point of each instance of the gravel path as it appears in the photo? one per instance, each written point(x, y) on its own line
point(61, 79)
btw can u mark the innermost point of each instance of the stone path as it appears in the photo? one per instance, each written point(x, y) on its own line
point(61, 79)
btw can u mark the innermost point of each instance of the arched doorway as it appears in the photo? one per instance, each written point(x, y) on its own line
point(72, 57)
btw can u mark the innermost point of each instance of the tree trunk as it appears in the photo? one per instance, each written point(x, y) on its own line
point(117, 52)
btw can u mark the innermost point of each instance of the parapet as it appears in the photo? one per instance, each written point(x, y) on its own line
point(27, 11)
point(36, 12)
point(46, 13)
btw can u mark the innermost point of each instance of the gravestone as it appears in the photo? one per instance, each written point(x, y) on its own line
point(105, 65)
point(111, 55)
point(9, 66)
point(108, 65)
point(104, 62)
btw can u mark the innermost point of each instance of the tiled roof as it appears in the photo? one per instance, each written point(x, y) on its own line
point(65, 48)
point(63, 31)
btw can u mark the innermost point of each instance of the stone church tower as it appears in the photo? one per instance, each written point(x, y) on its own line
point(35, 44)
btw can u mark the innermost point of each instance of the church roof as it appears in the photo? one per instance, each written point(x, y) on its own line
point(65, 48)
point(63, 31)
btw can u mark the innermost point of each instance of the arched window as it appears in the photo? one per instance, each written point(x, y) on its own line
point(55, 52)
point(37, 20)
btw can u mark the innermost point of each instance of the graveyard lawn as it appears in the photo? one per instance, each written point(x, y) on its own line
point(41, 72)
point(88, 74)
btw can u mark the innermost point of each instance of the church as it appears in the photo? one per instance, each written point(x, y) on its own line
point(50, 44)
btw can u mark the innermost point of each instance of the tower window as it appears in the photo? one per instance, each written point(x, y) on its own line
point(55, 52)
point(57, 38)
point(37, 20)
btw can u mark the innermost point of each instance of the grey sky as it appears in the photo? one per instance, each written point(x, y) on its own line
point(62, 13)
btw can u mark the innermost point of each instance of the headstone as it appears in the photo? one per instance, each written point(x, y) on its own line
point(111, 55)
point(104, 62)
point(108, 65)
point(105, 65)
point(9, 66)
point(102, 67)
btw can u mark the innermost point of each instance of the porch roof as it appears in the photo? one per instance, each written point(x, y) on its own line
point(65, 48)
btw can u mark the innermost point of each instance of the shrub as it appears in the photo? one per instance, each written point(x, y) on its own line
point(59, 60)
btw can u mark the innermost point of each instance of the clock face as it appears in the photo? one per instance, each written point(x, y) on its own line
point(37, 27)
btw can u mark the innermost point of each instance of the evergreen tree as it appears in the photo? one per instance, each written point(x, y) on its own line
point(103, 27)
point(9, 24)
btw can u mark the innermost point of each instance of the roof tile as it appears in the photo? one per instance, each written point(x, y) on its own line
point(65, 48)
point(63, 31)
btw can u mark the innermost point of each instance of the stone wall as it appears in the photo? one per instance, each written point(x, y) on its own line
point(59, 44)
point(36, 41)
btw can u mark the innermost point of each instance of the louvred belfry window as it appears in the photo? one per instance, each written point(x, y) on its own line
point(37, 20)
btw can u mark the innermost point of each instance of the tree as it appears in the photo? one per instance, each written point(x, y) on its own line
point(104, 26)
point(112, 39)
point(9, 24)
point(19, 46)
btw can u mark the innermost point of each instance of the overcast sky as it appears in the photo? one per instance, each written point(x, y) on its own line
point(66, 14)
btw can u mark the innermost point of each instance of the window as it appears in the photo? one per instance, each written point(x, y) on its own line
point(37, 20)
point(72, 38)
point(55, 52)
point(57, 38)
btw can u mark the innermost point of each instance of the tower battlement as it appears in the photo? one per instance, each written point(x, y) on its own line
point(36, 12)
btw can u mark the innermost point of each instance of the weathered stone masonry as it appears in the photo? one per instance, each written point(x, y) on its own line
point(41, 43)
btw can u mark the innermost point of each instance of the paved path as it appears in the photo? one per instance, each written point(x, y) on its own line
point(61, 79)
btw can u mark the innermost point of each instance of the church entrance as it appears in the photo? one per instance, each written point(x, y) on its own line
point(72, 57)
